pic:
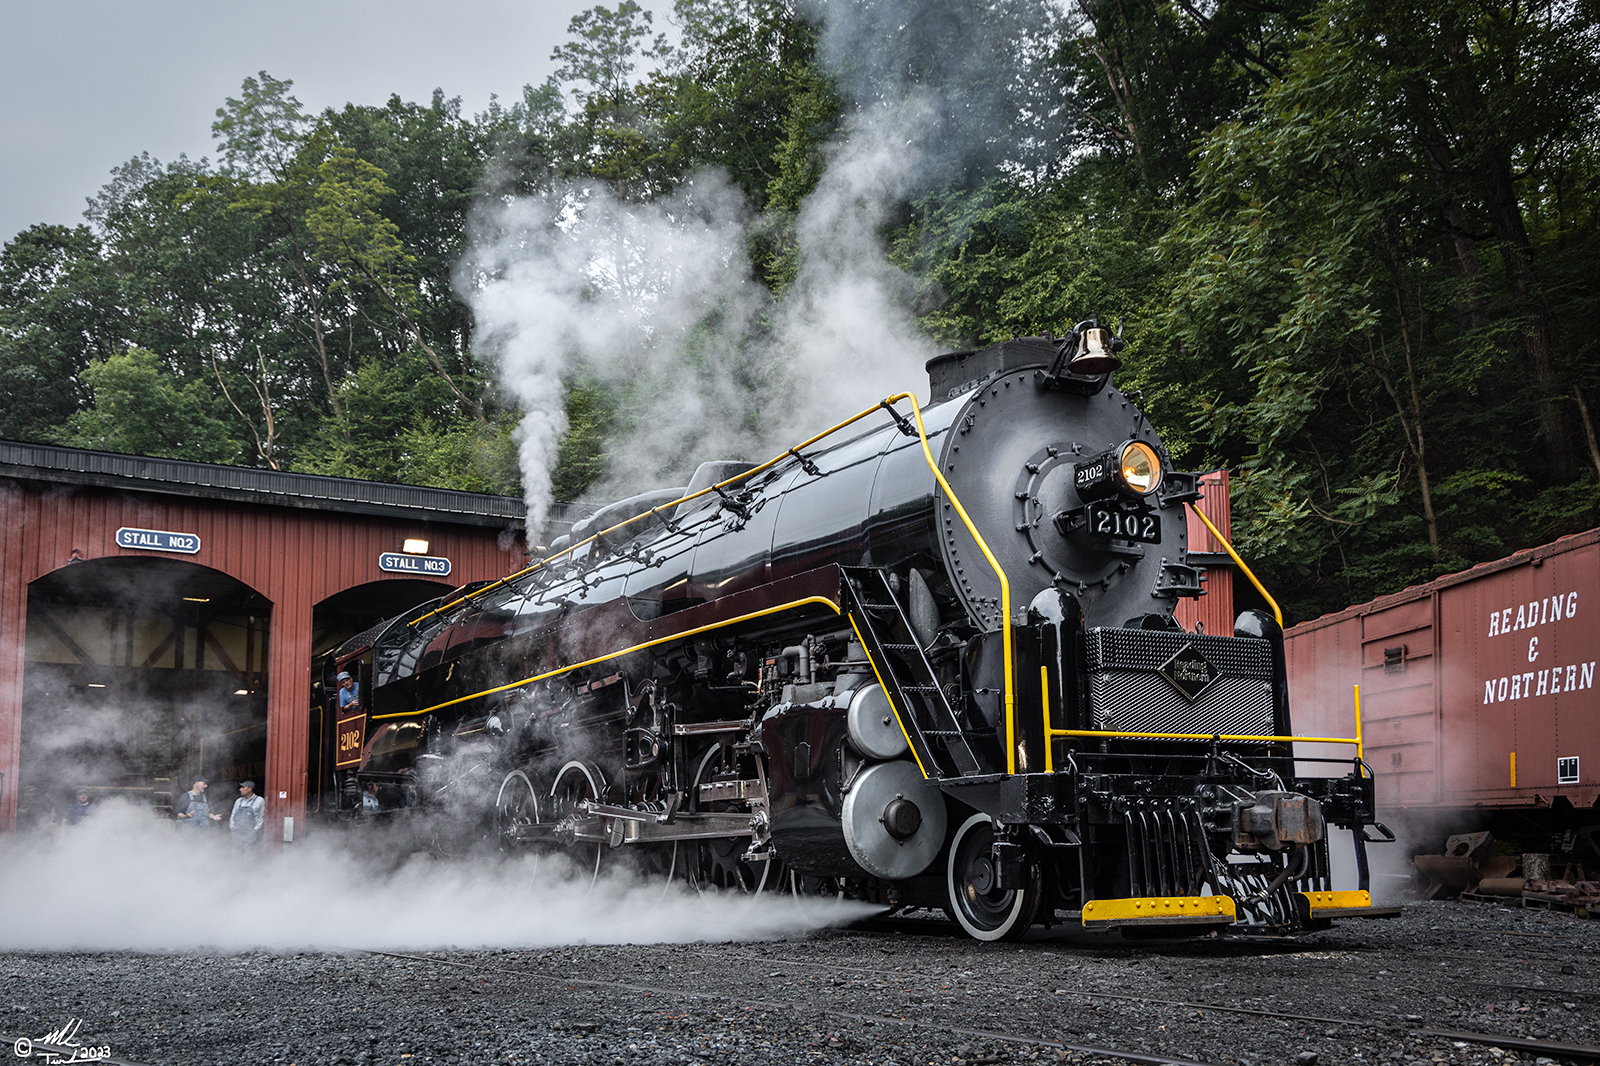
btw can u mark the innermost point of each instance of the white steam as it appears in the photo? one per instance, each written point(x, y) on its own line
point(656, 298)
point(658, 301)
point(846, 326)
point(120, 881)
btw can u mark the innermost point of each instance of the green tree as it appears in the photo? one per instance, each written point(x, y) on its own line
point(1149, 79)
point(1356, 346)
point(57, 313)
point(599, 59)
point(141, 408)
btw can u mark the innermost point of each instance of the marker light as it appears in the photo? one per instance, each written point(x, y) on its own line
point(1140, 468)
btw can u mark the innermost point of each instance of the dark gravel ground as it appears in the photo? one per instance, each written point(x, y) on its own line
point(1367, 992)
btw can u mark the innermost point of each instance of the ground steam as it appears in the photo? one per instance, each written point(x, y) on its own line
point(123, 881)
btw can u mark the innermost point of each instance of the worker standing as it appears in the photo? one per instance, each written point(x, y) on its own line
point(249, 818)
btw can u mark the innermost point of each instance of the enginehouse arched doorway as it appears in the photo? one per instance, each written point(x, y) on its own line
point(139, 674)
point(333, 622)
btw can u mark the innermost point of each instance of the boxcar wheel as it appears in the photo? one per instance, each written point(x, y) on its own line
point(984, 909)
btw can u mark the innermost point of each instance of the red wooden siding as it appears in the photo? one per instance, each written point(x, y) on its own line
point(1425, 658)
point(1214, 610)
point(295, 558)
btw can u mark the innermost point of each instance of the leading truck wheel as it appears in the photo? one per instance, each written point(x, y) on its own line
point(984, 909)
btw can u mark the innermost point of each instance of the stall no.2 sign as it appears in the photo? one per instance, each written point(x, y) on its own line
point(158, 540)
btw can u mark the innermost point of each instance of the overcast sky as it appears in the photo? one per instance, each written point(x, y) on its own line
point(87, 84)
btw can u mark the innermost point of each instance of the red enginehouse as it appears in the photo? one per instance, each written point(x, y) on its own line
point(159, 619)
point(1478, 693)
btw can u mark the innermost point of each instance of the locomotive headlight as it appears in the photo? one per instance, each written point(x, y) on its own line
point(1139, 468)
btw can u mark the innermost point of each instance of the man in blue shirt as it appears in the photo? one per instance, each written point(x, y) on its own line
point(349, 694)
point(76, 812)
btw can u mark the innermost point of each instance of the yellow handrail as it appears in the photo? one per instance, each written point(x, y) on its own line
point(1360, 752)
point(1277, 612)
point(1243, 737)
point(1005, 586)
point(793, 453)
point(1044, 699)
point(881, 684)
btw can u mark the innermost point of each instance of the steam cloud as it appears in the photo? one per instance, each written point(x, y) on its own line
point(659, 298)
point(120, 881)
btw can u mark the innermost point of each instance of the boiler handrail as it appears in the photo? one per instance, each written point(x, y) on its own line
point(887, 404)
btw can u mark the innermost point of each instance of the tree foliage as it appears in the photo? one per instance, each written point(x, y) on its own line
point(1356, 245)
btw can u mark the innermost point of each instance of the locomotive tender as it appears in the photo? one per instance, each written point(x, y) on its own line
point(926, 658)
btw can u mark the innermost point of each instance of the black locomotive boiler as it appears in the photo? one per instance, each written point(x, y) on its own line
point(926, 658)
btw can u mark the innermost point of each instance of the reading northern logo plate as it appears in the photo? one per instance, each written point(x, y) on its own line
point(1189, 671)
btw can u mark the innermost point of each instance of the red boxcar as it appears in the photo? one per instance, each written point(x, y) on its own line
point(1477, 690)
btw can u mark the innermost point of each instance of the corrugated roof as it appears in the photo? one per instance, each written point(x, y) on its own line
point(243, 484)
point(1428, 588)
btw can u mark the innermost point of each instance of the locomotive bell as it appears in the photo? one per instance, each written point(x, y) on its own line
point(1096, 353)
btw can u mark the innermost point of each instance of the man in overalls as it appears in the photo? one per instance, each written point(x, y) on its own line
point(193, 809)
point(249, 816)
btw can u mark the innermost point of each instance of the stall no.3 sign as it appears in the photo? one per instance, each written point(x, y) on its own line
point(158, 540)
point(426, 565)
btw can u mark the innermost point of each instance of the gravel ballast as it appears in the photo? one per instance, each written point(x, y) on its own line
point(891, 993)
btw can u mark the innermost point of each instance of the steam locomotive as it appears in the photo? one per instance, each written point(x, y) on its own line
point(927, 658)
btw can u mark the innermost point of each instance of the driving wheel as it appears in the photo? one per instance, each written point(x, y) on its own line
point(575, 782)
point(719, 863)
point(517, 805)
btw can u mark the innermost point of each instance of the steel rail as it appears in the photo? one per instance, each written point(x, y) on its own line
point(1143, 1058)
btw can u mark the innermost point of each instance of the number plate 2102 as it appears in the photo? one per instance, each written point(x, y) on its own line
point(1106, 520)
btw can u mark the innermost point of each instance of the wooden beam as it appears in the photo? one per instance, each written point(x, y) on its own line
point(161, 649)
point(38, 612)
point(226, 660)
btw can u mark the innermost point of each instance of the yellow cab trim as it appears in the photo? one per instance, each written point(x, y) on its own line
point(1159, 910)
